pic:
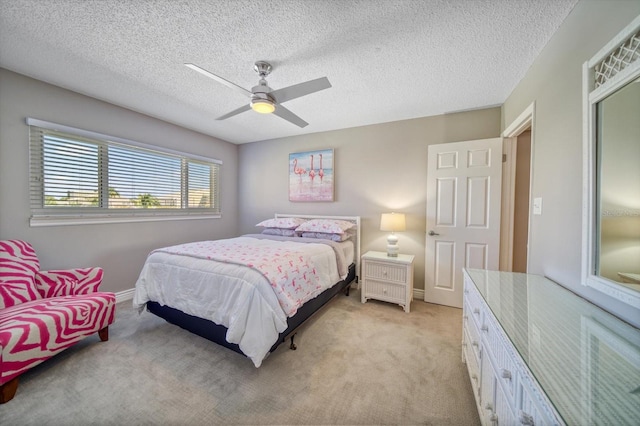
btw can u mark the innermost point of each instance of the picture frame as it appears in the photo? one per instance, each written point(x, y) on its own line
point(311, 176)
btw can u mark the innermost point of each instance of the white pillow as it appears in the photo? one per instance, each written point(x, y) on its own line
point(282, 222)
point(326, 226)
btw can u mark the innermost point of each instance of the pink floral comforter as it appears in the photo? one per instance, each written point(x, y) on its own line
point(294, 276)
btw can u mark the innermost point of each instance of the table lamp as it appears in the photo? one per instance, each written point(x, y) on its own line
point(393, 222)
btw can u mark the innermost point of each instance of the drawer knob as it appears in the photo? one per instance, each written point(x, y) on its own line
point(506, 374)
point(475, 378)
point(474, 343)
point(526, 419)
point(476, 311)
point(484, 327)
point(488, 406)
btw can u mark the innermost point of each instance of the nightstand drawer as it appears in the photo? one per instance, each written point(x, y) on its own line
point(386, 272)
point(385, 291)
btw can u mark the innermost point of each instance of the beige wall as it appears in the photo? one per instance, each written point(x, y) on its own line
point(554, 82)
point(378, 168)
point(119, 248)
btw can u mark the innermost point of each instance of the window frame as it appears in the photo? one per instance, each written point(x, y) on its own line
point(54, 216)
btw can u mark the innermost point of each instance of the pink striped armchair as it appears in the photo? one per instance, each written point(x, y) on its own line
point(44, 312)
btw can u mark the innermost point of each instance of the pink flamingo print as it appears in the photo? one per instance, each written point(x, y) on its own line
point(321, 171)
point(312, 172)
point(298, 170)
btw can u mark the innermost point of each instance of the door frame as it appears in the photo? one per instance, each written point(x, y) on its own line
point(525, 121)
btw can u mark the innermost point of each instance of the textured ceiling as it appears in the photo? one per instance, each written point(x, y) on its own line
point(387, 60)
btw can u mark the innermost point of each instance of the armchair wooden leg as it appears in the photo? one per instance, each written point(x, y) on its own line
point(8, 390)
point(104, 334)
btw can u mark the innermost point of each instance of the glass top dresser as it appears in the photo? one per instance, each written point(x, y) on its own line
point(539, 354)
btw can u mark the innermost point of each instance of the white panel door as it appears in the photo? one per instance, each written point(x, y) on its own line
point(463, 215)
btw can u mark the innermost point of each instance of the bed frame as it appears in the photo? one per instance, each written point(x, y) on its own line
point(217, 333)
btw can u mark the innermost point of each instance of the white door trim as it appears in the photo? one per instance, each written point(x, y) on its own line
point(525, 120)
point(508, 196)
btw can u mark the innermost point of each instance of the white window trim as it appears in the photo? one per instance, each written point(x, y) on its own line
point(41, 220)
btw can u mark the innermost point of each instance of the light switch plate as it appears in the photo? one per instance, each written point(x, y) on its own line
point(537, 206)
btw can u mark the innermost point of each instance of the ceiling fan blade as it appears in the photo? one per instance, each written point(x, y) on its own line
point(235, 112)
point(219, 79)
point(297, 90)
point(282, 112)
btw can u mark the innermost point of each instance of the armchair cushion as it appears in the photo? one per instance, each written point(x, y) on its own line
point(32, 332)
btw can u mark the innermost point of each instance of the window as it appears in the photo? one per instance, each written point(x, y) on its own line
point(79, 176)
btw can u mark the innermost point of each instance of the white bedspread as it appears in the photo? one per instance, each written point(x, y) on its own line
point(236, 296)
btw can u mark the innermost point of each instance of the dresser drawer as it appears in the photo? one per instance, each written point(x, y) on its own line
point(473, 365)
point(506, 370)
point(471, 329)
point(531, 411)
point(386, 272)
point(475, 305)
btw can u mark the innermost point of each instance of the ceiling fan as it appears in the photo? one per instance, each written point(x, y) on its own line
point(265, 100)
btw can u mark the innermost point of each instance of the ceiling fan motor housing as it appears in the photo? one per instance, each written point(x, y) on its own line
point(261, 100)
point(261, 93)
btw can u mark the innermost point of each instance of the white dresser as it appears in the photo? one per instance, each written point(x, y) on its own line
point(538, 354)
point(389, 279)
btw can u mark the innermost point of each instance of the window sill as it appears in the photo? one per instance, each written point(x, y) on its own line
point(37, 221)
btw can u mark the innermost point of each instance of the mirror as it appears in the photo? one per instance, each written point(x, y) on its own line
point(611, 197)
point(617, 247)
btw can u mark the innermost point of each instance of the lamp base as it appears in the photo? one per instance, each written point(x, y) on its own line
point(392, 245)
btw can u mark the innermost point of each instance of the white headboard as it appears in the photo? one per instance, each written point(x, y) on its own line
point(354, 219)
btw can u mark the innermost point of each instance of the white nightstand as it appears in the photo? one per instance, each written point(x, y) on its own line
point(389, 279)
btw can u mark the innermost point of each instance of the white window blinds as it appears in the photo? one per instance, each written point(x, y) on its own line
point(80, 173)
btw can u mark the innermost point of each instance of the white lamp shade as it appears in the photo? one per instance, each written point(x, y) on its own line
point(393, 222)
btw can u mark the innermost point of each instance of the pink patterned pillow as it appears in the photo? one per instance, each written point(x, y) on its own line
point(326, 226)
point(66, 282)
point(282, 222)
point(324, 236)
point(280, 232)
point(53, 284)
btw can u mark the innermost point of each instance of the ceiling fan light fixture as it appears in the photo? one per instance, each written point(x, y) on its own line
point(263, 106)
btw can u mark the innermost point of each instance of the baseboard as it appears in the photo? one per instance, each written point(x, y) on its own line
point(418, 294)
point(124, 295)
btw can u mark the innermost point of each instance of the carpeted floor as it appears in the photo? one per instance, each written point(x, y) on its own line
point(355, 364)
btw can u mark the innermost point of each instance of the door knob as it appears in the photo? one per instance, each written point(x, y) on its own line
point(433, 233)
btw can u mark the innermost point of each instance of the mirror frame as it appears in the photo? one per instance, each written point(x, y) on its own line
point(591, 95)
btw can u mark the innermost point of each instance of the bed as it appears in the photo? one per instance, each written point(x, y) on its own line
point(251, 293)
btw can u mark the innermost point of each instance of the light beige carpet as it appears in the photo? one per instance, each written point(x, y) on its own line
point(355, 364)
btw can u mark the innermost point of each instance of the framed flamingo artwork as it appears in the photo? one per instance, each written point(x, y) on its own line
point(311, 176)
